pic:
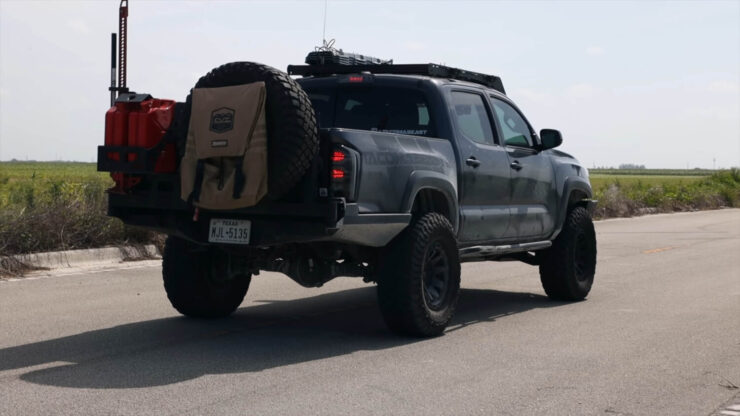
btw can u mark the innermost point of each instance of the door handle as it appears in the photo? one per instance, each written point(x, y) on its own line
point(516, 165)
point(472, 161)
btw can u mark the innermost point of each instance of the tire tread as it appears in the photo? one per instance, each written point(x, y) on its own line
point(400, 298)
point(186, 289)
point(557, 272)
point(293, 140)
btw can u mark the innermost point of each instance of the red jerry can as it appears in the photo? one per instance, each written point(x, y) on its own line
point(116, 127)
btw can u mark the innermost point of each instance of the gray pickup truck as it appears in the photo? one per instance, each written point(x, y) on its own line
point(417, 169)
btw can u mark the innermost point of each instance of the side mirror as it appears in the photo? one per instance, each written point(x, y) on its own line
point(550, 138)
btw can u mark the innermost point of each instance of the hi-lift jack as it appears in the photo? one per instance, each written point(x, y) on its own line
point(115, 91)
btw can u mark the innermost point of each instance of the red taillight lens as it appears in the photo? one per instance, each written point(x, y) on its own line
point(337, 174)
point(337, 156)
point(356, 78)
point(343, 172)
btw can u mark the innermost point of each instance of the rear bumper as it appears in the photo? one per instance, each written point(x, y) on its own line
point(272, 223)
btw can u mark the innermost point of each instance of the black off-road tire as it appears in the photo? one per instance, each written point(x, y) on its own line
point(194, 286)
point(292, 134)
point(568, 267)
point(419, 263)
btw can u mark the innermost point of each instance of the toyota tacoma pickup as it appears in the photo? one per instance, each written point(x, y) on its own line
point(393, 173)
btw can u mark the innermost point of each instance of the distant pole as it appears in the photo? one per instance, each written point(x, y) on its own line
point(714, 163)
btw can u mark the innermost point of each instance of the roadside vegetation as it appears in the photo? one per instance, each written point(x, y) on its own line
point(643, 192)
point(48, 206)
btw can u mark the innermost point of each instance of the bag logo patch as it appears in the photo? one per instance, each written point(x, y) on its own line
point(222, 120)
point(219, 143)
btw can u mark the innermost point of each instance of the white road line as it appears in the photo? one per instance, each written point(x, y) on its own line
point(732, 409)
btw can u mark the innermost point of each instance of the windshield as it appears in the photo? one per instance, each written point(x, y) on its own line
point(383, 109)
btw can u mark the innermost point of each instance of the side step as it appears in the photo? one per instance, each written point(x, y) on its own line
point(477, 253)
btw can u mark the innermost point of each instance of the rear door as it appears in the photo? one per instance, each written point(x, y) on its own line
point(484, 166)
point(533, 193)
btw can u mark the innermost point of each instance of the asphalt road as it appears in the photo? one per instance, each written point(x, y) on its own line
point(659, 335)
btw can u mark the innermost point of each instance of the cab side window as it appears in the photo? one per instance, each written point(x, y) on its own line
point(515, 130)
point(472, 118)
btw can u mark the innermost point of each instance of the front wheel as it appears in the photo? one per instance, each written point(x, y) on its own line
point(200, 281)
point(419, 279)
point(568, 267)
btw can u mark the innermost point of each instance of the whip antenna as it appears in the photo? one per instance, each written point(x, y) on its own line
point(323, 35)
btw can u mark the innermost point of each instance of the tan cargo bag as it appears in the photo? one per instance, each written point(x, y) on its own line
point(225, 161)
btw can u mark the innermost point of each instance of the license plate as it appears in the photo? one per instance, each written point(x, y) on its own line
point(229, 231)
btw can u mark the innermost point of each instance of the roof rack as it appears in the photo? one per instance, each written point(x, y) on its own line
point(431, 70)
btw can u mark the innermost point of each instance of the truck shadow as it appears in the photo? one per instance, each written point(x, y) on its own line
point(270, 335)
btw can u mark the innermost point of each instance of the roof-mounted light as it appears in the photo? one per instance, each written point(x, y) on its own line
point(329, 55)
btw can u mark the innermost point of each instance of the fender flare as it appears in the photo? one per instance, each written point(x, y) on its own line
point(419, 180)
point(571, 184)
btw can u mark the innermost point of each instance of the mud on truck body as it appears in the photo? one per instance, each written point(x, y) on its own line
point(392, 173)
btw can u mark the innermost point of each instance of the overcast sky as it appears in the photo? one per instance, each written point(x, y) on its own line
point(654, 83)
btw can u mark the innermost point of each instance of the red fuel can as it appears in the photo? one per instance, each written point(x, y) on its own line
point(140, 124)
point(116, 127)
point(147, 124)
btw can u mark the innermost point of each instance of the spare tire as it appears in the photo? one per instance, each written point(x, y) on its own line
point(292, 135)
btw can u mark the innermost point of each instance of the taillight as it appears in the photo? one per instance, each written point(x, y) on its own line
point(337, 174)
point(344, 172)
point(337, 156)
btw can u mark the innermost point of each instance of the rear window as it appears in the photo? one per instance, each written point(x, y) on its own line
point(383, 109)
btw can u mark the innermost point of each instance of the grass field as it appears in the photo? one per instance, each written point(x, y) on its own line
point(47, 206)
point(601, 180)
point(653, 172)
point(51, 170)
point(632, 192)
point(31, 183)
point(58, 205)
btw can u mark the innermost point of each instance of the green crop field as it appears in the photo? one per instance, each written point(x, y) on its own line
point(601, 181)
point(626, 192)
point(29, 183)
point(46, 206)
point(67, 170)
point(602, 178)
point(653, 172)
